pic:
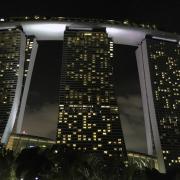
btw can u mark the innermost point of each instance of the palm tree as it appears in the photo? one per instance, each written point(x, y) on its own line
point(72, 165)
point(91, 167)
point(33, 163)
point(129, 172)
point(155, 175)
point(6, 164)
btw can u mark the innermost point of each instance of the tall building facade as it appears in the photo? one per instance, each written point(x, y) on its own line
point(159, 65)
point(88, 112)
point(13, 44)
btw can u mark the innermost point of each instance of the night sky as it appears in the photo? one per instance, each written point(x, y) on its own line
point(41, 114)
point(165, 14)
point(128, 93)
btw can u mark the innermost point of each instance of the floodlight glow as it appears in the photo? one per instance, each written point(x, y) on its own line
point(55, 31)
point(50, 28)
point(114, 31)
point(125, 35)
point(7, 27)
point(45, 31)
point(165, 39)
point(80, 28)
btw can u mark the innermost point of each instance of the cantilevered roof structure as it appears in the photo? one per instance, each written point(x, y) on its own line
point(53, 29)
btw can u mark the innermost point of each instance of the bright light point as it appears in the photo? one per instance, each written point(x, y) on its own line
point(36, 17)
point(36, 178)
point(2, 19)
point(24, 132)
point(56, 151)
point(31, 146)
point(126, 22)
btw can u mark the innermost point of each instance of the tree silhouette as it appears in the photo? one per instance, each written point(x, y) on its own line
point(6, 164)
point(81, 165)
point(32, 163)
point(62, 163)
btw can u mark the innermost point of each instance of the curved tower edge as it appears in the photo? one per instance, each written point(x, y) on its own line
point(143, 85)
point(151, 107)
point(26, 87)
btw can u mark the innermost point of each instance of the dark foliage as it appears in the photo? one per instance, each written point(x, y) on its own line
point(33, 163)
point(62, 163)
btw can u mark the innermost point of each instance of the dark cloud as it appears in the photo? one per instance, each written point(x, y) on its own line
point(41, 113)
point(128, 94)
point(42, 121)
point(132, 121)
